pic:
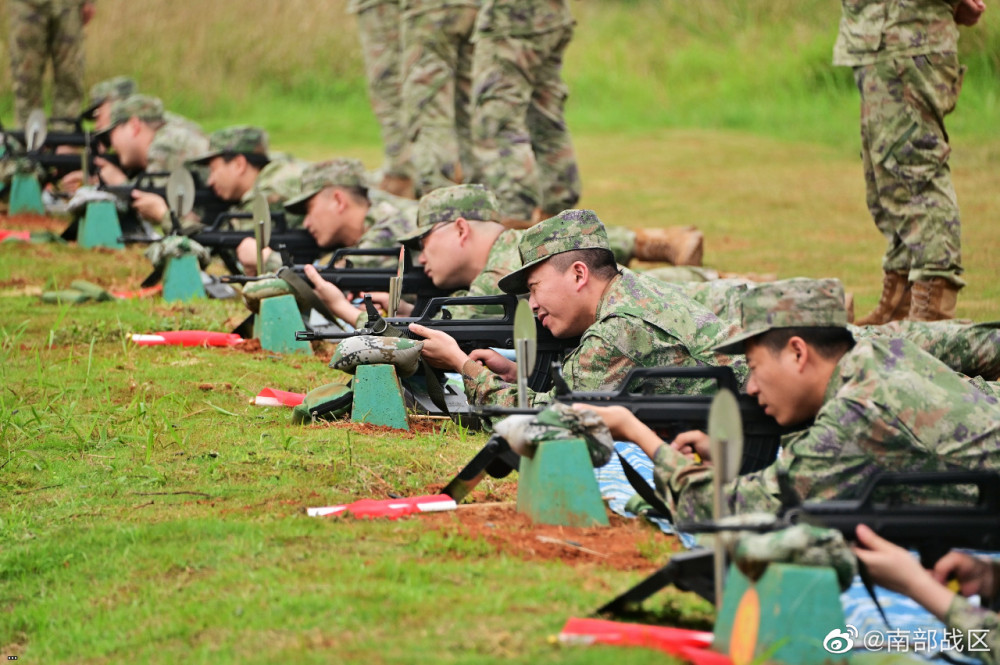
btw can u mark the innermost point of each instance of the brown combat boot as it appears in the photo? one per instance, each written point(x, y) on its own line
point(933, 300)
point(680, 245)
point(893, 304)
point(398, 185)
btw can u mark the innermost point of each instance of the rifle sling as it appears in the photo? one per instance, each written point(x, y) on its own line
point(642, 488)
point(305, 294)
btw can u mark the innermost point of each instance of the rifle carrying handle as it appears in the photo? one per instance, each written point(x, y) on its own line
point(723, 376)
point(436, 304)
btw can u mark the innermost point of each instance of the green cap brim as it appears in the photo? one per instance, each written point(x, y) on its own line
point(516, 283)
point(206, 158)
point(298, 205)
point(412, 240)
point(737, 344)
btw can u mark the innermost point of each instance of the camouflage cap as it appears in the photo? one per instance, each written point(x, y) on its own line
point(568, 231)
point(144, 107)
point(111, 89)
point(333, 173)
point(789, 303)
point(239, 139)
point(447, 204)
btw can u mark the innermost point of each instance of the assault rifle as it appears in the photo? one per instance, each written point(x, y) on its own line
point(668, 415)
point(493, 332)
point(931, 528)
point(55, 165)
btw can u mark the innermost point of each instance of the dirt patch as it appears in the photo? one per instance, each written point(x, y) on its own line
point(618, 546)
point(249, 346)
point(31, 222)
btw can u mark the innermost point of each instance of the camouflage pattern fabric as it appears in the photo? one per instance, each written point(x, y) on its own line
point(41, 30)
point(379, 30)
point(568, 231)
point(278, 181)
point(906, 68)
point(79, 291)
point(639, 323)
point(502, 260)
point(470, 202)
point(256, 291)
point(788, 303)
point(176, 247)
point(346, 173)
point(117, 87)
point(331, 392)
point(966, 617)
point(972, 349)
point(237, 139)
point(802, 544)
point(89, 194)
point(173, 146)
point(384, 224)
point(888, 406)
point(437, 85)
point(558, 422)
point(402, 353)
point(521, 144)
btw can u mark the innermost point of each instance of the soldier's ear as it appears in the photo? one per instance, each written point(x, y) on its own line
point(464, 229)
point(800, 350)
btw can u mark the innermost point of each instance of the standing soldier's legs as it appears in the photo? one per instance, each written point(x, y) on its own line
point(431, 44)
point(558, 174)
point(904, 102)
point(379, 29)
point(67, 61)
point(463, 96)
point(503, 77)
point(28, 55)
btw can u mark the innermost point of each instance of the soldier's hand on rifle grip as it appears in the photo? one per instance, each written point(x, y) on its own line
point(974, 576)
point(246, 254)
point(149, 206)
point(109, 173)
point(440, 349)
point(502, 367)
point(693, 444)
point(331, 296)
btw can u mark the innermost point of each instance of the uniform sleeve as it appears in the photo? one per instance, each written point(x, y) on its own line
point(826, 461)
point(975, 624)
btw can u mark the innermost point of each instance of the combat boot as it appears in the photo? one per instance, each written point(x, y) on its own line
point(893, 304)
point(679, 245)
point(398, 185)
point(933, 300)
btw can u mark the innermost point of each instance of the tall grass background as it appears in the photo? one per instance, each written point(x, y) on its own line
point(294, 66)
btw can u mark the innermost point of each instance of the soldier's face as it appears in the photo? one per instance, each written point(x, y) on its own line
point(102, 116)
point(124, 141)
point(441, 256)
point(223, 177)
point(776, 382)
point(554, 298)
point(323, 219)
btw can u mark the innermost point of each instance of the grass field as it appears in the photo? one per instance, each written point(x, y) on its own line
point(149, 514)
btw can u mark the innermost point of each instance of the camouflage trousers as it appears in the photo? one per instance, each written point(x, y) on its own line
point(905, 151)
point(379, 29)
point(971, 349)
point(521, 144)
point(437, 70)
point(41, 30)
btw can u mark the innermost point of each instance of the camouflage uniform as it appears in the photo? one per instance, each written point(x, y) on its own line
point(888, 406)
point(437, 83)
point(386, 221)
point(522, 146)
point(906, 67)
point(379, 29)
point(965, 617)
point(279, 179)
point(173, 145)
point(639, 323)
point(39, 30)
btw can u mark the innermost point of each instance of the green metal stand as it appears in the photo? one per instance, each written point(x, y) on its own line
point(99, 226)
point(276, 324)
point(25, 195)
point(781, 618)
point(182, 279)
point(378, 398)
point(557, 486)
